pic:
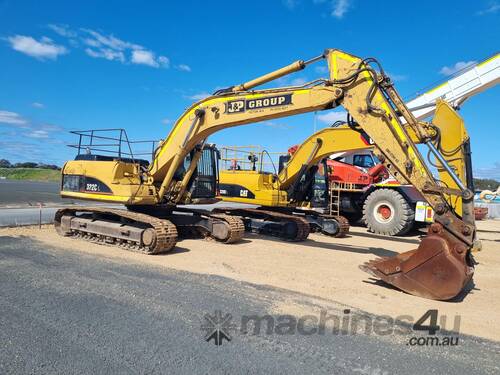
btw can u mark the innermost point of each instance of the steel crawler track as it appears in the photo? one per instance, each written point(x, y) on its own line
point(162, 240)
point(302, 226)
point(114, 227)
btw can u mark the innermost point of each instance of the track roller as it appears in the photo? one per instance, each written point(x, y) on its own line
point(287, 227)
point(130, 230)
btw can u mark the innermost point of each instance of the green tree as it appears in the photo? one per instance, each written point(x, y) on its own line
point(485, 184)
point(4, 163)
point(25, 165)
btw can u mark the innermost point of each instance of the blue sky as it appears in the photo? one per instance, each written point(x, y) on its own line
point(138, 65)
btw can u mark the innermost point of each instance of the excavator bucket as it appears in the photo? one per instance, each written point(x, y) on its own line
point(438, 269)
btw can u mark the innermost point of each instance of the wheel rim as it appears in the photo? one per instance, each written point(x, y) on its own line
point(383, 212)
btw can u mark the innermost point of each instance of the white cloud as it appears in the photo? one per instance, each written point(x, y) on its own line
point(109, 41)
point(25, 140)
point(332, 116)
point(164, 61)
point(113, 48)
point(106, 53)
point(145, 57)
point(166, 121)
point(106, 46)
point(37, 105)
point(184, 67)
point(62, 30)
point(7, 117)
point(91, 42)
point(19, 150)
point(38, 134)
point(43, 49)
point(198, 96)
point(493, 8)
point(448, 70)
point(489, 172)
point(36, 130)
point(340, 8)
point(51, 128)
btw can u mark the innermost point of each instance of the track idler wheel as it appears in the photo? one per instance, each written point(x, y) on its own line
point(226, 228)
point(438, 269)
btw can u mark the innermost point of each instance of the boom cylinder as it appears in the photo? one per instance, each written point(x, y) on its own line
point(293, 67)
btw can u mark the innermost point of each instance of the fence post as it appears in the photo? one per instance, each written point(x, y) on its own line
point(40, 216)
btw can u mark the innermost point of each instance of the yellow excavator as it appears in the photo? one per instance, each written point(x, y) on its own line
point(182, 171)
point(302, 186)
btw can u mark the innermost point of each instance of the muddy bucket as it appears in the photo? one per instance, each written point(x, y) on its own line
point(438, 269)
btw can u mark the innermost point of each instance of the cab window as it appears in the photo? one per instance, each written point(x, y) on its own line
point(363, 161)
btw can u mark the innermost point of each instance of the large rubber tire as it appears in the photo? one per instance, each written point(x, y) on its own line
point(387, 212)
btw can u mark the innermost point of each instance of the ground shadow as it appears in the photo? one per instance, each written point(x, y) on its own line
point(176, 250)
point(188, 236)
point(378, 251)
point(469, 288)
point(488, 231)
point(378, 282)
point(243, 240)
point(388, 238)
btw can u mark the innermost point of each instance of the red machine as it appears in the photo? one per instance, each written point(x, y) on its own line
point(363, 189)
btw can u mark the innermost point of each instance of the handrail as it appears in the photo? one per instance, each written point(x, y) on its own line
point(98, 140)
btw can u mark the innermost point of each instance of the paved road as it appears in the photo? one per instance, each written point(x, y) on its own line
point(16, 193)
point(65, 312)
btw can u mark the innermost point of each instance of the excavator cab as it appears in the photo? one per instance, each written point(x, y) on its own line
point(203, 182)
point(319, 188)
point(311, 186)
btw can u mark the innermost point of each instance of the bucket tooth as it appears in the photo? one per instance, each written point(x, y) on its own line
point(438, 269)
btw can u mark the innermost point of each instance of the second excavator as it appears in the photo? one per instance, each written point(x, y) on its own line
point(305, 188)
point(182, 171)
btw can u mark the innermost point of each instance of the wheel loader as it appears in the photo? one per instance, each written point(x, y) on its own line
point(300, 190)
point(182, 171)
